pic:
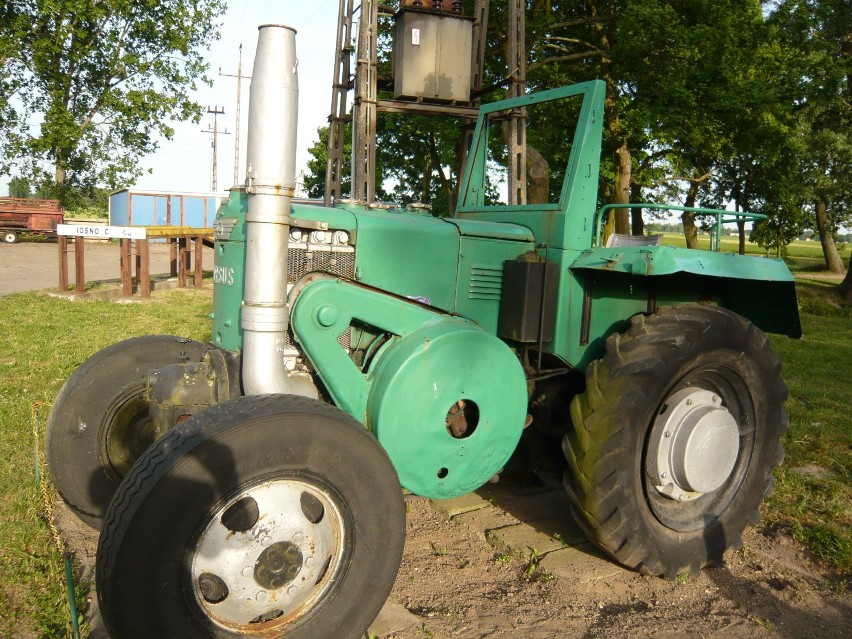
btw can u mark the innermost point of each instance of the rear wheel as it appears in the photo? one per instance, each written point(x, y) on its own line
point(264, 516)
point(10, 237)
point(99, 424)
point(675, 439)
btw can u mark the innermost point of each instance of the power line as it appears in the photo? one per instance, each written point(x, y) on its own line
point(239, 76)
point(216, 111)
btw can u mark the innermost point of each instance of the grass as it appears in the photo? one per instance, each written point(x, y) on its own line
point(46, 338)
point(813, 498)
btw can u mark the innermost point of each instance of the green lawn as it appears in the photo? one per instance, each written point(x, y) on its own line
point(47, 338)
point(44, 341)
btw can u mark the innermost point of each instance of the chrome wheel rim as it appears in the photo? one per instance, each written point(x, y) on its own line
point(267, 556)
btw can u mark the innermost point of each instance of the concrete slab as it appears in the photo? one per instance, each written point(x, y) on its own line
point(449, 508)
point(392, 618)
point(583, 563)
point(521, 540)
point(532, 507)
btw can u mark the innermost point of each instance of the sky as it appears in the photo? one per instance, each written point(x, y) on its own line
point(184, 163)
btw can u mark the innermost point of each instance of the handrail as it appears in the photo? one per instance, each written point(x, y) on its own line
point(722, 217)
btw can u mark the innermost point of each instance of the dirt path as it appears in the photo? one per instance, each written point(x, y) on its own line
point(467, 572)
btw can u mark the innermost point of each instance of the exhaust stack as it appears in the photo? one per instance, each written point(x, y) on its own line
point(270, 185)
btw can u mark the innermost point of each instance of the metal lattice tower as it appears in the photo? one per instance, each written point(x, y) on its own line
point(340, 90)
point(366, 104)
point(517, 146)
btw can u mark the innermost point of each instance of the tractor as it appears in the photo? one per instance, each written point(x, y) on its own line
point(253, 486)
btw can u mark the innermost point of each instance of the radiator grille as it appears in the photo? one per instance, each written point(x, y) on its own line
point(301, 261)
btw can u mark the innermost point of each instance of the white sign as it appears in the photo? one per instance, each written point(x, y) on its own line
point(102, 232)
point(415, 37)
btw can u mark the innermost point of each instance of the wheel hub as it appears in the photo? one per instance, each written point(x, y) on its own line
point(694, 445)
point(267, 554)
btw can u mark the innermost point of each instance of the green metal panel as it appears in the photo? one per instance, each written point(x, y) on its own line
point(492, 230)
point(407, 254)
point(430, 362)
point(229, 271)
point(481, 276)
point(664, 260)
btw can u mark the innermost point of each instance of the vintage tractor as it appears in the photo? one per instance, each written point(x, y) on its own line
point(251, 486)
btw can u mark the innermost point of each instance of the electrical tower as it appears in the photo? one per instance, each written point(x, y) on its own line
point(239, 76)
point(216, 111)
point(366, 103)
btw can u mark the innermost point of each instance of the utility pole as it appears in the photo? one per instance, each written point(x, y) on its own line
point(216, 111)
point(239, 76)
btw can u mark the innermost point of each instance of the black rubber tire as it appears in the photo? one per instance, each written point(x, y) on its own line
point(98, 424)
point(158, 513)
point(613, 499)
point(10, 237)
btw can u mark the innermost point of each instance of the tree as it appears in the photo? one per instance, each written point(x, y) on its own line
point(107, 77)
point(845, 287)
point(818, 30)
point(19, 187)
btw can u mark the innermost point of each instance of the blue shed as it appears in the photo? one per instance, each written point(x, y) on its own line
point(130, 207)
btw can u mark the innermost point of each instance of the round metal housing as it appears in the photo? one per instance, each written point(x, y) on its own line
point(694, 445)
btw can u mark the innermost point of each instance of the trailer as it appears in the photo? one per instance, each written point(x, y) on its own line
point(24, 216)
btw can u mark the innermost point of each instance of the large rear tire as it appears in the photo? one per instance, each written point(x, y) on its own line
point(99, 424)
point(675, 439)
point(263, 516)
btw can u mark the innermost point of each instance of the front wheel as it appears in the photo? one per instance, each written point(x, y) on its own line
point(263, 516)
point(675, 439)
point(99, 423)
point(10, 237)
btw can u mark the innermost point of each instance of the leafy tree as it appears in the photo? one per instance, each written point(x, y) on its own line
point(19, 187)
point(315, 178)
point(106, 78)
point(819, 32)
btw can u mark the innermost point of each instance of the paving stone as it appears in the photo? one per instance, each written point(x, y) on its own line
point(561, 527)
point(521, 539)
point(393, 618)
point(460, 505)
point(583, 563)
point(485, 519)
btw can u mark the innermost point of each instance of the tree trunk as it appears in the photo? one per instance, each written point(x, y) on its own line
point(690, 231)
point(538, 177)
point(829, 249)
point(845, 287)
point(741, 229)
point(637, 222)
point(622, 188)
point(426, 185)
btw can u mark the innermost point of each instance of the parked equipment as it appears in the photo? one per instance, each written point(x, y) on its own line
point(251, 486)
point(25, 216)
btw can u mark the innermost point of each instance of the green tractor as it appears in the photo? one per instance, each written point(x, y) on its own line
point(251, 486)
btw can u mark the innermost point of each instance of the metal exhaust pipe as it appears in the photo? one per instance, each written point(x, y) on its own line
point(270, 186)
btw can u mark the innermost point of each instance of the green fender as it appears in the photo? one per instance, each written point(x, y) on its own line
point(760, 289)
